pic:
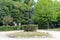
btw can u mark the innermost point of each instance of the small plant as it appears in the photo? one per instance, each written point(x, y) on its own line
point(7, 19)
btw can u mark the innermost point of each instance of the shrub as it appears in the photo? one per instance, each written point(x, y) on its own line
point(7, 19)
point(8, 28)
point(22, 27)
point(42, 26)
point(30, 27)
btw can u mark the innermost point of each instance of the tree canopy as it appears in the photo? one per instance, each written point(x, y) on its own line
point(45, 11)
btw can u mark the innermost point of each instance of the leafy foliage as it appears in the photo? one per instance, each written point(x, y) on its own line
point(8, 28)
point(7, 19)
point(45, 11)
point(30, 27)
point(17, 10)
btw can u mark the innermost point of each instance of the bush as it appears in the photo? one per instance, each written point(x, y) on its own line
point(8, 28)
point(7, 19)
point(22, 27)
point(30, 27)
point(42, 25)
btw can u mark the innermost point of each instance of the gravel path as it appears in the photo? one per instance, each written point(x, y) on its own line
point(55, 36)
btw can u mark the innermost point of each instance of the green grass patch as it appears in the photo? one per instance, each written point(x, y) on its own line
point(27, 34)
point(54, 29)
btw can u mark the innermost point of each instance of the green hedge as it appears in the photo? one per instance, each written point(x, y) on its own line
point(30, 27)
point(8, 28)
point(42, 26)
point(23, 27)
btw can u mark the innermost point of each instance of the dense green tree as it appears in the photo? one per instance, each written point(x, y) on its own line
point(57, 7)
point(15, 9)
point(19, 12)
point(45, 12)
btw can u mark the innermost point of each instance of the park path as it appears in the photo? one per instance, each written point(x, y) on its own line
point(55, 35)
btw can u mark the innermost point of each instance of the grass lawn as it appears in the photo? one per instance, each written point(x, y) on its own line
point(28, 34)
point(54, 29)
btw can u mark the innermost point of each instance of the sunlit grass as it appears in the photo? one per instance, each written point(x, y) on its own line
point(54, 29)
point(28, 34)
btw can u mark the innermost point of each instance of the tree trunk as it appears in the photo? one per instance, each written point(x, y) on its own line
point(48, 24)
point(53, 25)
point(6, 24)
